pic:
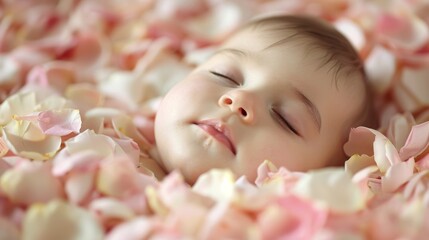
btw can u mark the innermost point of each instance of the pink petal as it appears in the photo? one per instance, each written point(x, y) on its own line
point(412, 185)
point(31, 182)
point(399, 128)
point(60, 122)
point(397, 175)
point(417, 141)
point(78, 185)
point(136, 229)
point(360, 142)
point(264, 169)
point(63, 163)
point(226, 222)
point(8, 230)
point(293, 218)
point(406, 31)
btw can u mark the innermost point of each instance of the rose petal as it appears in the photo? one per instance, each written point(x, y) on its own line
point(136, 229)
point(385, 154)
point(358, 162)
point(79, 185)
point(352, 32)
point(3, 148)
point(399, 128)
point(37, 150)
point(417, 141)
point(216, 184)
point(380, 66)
point(331, 188)
point(8, 230)
point(360, 142)
point(118, 177)
point(60, 220)
point(292, 218)
point(31, 182)
point(111, 209)
point(84, 96)
point(397, 175)
point(60, 122)
point(416, 81)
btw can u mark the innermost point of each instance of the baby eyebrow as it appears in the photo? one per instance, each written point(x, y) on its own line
point(314, 112)
point(232, 51)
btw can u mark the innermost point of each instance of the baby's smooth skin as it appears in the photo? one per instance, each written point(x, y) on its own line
point(252, 101)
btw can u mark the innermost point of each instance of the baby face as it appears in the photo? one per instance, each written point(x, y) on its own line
point(249, 103)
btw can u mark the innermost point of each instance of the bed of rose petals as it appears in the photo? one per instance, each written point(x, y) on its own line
point(79, 86)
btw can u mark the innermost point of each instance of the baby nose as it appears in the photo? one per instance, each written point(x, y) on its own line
point(239, 102)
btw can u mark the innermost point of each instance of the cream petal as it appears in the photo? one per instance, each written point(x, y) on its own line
point(89, 140)
point(122, 86)
point(264, 169)
point(125, 127)
point(218, 184)
point(3, 148)
point(118, 177)
point(18, 104)
point(28, 130)
point(332, 189)
point(84, 96)
point(216, 24)
point(111, 209)
point(385, 154)
point(352, 32)
point(31, 182)
point(60, 122)
point(358, 162)
point(405, 99)
point(380, 66)
point(37, 150)
point(60, 220)
point(10, 71)
point(416, 81)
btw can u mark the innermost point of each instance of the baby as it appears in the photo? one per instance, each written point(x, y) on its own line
point(283, 88)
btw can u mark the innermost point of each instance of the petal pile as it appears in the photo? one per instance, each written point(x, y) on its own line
point(80, 82)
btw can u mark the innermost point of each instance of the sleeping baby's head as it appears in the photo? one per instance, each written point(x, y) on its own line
point(287, 89)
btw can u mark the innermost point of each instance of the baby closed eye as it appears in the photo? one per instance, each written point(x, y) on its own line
point(225, 77)
point(284, 123)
